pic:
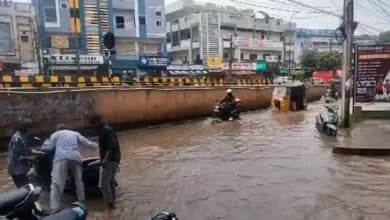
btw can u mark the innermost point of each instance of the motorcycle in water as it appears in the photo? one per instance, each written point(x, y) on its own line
point(227, 111)
point(42, 165)
point(327, 121)
point(165, 216)
point(23, 204)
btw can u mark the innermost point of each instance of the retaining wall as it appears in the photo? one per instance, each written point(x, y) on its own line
point(121, 105)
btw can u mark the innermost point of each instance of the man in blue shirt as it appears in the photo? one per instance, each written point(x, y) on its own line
point(18, 151)
point(67, 157)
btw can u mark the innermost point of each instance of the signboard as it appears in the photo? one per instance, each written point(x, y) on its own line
point(257, 43)
point(27, 72)
point(240, 66)
point(185, 67)
point(261, 66)
point(272, 59)
point(153, 61)
point(214, 63)
point(59, 41)
point(372, 75)
point(70, 59)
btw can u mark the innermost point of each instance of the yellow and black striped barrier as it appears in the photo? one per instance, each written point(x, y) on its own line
point(43, 81)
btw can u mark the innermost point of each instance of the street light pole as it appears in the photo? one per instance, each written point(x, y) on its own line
point(347, 62)
point(289, 43)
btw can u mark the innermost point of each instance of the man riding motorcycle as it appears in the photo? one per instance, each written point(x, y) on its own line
point(227, 109)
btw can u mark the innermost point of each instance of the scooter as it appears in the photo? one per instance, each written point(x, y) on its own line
point(23, 204)
point(42, 165)
point(327, 121)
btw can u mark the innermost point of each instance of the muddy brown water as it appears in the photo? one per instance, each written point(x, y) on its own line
point(266, 166)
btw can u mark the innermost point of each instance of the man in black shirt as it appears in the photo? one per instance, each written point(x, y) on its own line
point(110, 156)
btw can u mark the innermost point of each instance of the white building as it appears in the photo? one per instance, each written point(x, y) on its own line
point(321, 40)
point(208, 30)
point(17, 36)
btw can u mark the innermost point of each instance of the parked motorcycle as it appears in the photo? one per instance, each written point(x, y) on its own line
point(327, 121)
point(23, 204)
point(227, 111)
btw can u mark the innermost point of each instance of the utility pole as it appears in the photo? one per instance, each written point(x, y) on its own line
point(349, 27)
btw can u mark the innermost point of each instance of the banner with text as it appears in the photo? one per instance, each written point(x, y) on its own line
point(372, 75)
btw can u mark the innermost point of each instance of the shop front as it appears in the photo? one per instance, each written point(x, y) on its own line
point(153, 65)
point(186, 70)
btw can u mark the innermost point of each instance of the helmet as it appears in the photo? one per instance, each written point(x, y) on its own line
point(229, 91)
point(165, 216)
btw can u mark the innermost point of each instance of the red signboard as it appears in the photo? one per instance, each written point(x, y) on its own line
point(372, 75)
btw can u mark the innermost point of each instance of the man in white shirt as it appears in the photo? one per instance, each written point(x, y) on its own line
point(67, 157)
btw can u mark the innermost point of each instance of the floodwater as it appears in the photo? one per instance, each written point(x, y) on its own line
point(266, 166)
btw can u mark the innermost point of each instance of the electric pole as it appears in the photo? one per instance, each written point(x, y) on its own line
point(349, 27)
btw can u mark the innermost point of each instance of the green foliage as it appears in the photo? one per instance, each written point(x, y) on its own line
point(384, 37)
point(321, 60)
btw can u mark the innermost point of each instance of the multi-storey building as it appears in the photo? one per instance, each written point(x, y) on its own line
point(139, 27)
point(321, 40)
point(17, 36)
point(324, 40)
point(71, 34)
point(195, 30)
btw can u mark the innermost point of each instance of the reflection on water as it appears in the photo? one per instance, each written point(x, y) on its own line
point(266, 166)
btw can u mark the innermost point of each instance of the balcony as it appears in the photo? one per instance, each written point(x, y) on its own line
point(123, 4)
point(128, 32)
point(185, 45)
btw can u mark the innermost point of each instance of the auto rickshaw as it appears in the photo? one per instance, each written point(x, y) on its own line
point(289, 97)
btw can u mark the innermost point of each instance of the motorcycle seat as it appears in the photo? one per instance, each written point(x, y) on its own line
point(9, 200)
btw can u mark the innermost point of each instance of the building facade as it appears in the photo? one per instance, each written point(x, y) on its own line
point(238, 33)
point(139, 27)
point(71, 34)
point(17, 37)
point(321, 40)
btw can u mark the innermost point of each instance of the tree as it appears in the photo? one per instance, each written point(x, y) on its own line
point(321, 60)
point(384, 37)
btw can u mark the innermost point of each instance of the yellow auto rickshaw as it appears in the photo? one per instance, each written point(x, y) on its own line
point(289, 97)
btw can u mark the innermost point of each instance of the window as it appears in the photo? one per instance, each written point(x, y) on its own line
point(50, 12)
point(158, 23)
point(185, 34)
point(120, 22)
point(241, 56)
point(168, 37)
point(24, 39)
point(158, 13)
point(253, 57)
point(142, 20)
point(5, 37)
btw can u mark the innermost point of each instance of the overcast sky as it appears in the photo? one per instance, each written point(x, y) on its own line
point(365, 12)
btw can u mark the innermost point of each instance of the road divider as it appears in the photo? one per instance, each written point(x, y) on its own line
point(43, 81)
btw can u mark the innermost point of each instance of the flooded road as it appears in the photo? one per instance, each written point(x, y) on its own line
point(266, 166)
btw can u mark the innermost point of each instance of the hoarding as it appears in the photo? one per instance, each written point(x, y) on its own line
point(372, 75)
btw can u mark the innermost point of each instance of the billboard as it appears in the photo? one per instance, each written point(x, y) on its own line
point(372, 74)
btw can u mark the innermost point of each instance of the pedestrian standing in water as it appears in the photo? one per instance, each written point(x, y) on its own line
point(67, 156)
point(110, 156)
point(18, 152)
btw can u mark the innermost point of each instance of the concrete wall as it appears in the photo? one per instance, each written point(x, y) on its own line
point(121, 106)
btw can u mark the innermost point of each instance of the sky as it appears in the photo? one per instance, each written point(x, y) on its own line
point(367, 12)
